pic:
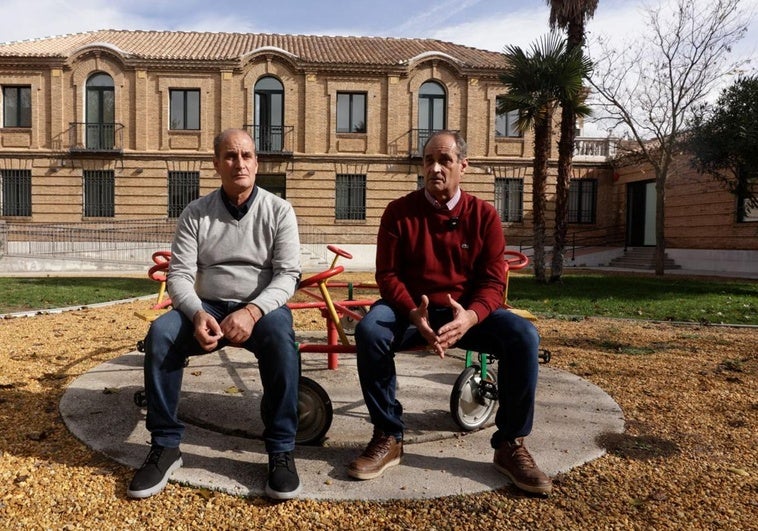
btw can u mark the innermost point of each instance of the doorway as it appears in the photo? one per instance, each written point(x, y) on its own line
point(640, 214)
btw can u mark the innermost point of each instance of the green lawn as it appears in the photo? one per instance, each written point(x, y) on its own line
point(639, 297)
point(580, 294)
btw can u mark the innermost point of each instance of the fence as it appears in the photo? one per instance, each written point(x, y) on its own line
point(122, 241)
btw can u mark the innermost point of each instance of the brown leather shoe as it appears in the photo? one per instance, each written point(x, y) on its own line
point(513, 460)
point(381, 453)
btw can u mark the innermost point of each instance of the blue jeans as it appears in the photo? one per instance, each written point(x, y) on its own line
point(513, 340)
point(170, 341)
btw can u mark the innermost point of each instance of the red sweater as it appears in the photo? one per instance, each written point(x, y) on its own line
point(418, 253)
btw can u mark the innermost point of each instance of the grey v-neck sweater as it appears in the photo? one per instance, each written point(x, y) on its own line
point(253, 260)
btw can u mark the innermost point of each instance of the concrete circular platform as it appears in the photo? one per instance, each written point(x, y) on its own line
point(222, 448)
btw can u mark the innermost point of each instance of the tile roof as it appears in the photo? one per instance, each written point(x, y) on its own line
point(204, 46)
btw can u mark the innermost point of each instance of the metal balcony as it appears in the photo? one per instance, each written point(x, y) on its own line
point(88, 137)
point(273, 139)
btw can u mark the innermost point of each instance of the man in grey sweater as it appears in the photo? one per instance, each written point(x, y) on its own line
point(235, 262)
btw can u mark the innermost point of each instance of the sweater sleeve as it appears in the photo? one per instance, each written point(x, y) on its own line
point(285, 263)
point(389, 261)
point(489, 282)
point(183, 265)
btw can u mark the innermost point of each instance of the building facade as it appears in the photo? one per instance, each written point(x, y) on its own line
point(109, 125)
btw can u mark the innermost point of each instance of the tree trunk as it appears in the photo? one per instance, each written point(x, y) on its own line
point(565, 155)
point(660, 202)
point(542, 140)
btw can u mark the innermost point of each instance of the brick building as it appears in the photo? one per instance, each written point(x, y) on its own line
point(110, 125)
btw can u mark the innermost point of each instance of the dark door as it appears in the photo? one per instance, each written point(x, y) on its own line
point(640, 214)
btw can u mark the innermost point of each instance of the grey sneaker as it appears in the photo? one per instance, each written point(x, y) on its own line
point(152, 477)
point(283, 482)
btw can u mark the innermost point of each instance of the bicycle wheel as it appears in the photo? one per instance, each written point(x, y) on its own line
point(315, 412)
point(473, 400)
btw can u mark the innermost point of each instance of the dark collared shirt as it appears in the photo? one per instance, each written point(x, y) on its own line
point(238, 212)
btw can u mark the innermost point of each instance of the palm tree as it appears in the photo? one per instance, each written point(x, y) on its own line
point(537, 83)
point(570, 15)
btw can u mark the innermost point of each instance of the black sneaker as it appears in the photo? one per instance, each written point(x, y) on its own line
point(152, 477)
point(283, 482)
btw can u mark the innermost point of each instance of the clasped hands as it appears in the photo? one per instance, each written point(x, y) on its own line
point(235, 327)
point(448, 334)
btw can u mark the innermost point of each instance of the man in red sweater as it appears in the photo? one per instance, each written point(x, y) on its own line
point(440, 271)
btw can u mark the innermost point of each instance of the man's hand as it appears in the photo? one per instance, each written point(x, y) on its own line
point(452, 332)
point(207, 331)
point(238, 325)
point(420, 318)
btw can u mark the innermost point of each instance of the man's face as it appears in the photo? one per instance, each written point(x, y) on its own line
point(442, 167)
point(236, 163)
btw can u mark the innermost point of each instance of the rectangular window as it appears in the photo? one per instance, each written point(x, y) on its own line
point(16, 192)
point(351, 112)
point(505, 124)
point(185, 109)
point(509, 199)
point(17, 106)
point(747, 212)
point(350, 197)
point(183, 187)
point(99, 194)
point(582, 201)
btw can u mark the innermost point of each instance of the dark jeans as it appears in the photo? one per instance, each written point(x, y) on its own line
point(170, 341)
point(510, 338)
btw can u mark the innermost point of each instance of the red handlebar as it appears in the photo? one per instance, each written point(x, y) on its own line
point(318, 277)
point(516, 260)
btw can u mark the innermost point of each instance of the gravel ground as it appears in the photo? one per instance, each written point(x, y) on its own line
point(688, 459)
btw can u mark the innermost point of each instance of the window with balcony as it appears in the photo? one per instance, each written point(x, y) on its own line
point(17, 106)
point(99, 194)
point(183, 188)
point(509, 199)
point(269, 115)
point(432, 102)
point(100, 123)
point(16, 190)
point(505, 123)
point(350, 197)
point(582, 201)
point(184, 109)
point(351, 112)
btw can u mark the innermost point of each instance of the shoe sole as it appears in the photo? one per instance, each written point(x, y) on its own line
point(357, 474)
point(276, 495)
point(523, 486)
point(152, 491)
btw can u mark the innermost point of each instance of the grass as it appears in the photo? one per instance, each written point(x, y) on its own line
point(38, 293)
point(581, 294)
point(639, 297)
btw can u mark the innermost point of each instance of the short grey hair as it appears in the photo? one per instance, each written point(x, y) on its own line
point(219, 139)
point(460, 143)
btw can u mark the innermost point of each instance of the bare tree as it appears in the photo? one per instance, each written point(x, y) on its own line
point(651, 87)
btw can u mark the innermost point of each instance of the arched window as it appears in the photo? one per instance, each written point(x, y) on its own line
point(100, 112)
point(269, 115)
point(432, 102)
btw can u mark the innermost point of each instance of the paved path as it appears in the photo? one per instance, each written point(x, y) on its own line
point(223, 451)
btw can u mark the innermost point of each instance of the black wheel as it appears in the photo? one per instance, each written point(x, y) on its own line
point(473, 400)
point(315, 412)
point(348, 323)
point(140, 398)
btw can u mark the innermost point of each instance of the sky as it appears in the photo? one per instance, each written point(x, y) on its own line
point(484, 24)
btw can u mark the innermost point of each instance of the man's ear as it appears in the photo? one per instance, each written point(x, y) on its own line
point(464, 164)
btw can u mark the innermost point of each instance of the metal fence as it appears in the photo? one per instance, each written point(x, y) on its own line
point(123, 241)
